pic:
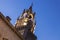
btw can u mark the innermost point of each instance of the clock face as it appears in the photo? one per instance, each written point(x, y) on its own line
point(24, 23)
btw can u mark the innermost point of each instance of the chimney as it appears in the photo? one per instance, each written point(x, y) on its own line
point(8, 18)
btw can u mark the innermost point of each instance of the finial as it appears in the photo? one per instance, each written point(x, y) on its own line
point(30, 8)
point(34, 14)
point(24, 11)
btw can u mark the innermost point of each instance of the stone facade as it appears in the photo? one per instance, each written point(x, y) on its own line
point(7, 31)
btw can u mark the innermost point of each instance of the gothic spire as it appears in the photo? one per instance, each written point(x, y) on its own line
point(30, 8)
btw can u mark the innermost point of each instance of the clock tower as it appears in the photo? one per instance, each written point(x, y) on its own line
point(25, 24)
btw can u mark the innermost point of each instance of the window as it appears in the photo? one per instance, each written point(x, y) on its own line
point(5, 39)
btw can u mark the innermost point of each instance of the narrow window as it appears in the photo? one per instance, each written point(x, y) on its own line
point(5, 39)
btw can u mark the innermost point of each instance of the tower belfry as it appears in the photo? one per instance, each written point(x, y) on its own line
point(25, 24)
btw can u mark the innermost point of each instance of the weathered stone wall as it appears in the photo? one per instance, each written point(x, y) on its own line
point(6, 32)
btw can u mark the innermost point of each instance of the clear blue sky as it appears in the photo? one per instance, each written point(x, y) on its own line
point(47, 15)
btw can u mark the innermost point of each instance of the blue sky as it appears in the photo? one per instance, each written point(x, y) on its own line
point(47, 15)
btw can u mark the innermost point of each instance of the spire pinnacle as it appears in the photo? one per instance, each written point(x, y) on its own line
point(30, 8)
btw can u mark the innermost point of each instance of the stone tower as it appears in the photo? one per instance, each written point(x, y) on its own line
point(25, 24)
